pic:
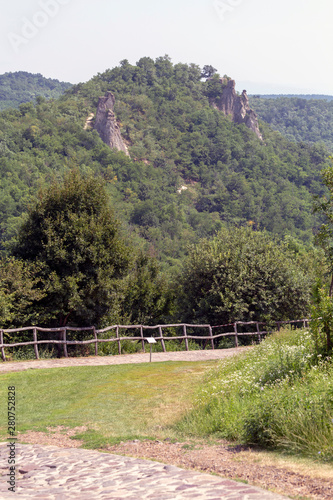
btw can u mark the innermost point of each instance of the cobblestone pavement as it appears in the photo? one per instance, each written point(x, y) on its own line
point(9, 366)
point(51, 473)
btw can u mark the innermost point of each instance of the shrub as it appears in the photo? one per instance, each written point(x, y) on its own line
point(279, 394)
point(242, 275)
point(322, 324)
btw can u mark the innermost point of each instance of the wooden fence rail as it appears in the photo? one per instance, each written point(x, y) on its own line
point(63, 339)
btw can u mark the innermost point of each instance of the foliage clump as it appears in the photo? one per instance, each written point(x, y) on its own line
point(176, 139)
point(72, 233)
point(278, 395)
point(243, 275)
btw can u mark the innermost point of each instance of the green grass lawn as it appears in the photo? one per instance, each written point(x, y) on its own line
point(115, 402)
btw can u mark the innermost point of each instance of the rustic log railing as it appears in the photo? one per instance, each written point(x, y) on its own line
point(62, 332)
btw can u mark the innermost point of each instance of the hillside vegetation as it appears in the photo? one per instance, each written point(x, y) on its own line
point(322, 97)
point(191, 172)
point(89, 229)
point(278, 395)
point(202, 222)
point(19, 87)
point(298, 119)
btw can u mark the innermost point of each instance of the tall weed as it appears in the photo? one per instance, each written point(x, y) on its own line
point(279, 394)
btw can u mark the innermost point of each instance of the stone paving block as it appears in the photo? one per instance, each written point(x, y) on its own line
point(52, 474)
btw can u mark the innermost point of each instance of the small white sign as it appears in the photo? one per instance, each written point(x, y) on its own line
point(151, 340)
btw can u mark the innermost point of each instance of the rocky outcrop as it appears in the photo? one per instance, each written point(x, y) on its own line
point(237, 106)
point(106, 123)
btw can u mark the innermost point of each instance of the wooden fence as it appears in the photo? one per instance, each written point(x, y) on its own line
point(210, 338)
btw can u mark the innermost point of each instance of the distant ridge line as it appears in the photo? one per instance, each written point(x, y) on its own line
point(308, 97)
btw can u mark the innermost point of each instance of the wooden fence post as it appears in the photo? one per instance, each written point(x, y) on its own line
point(236, 334)
point(162, 339)
point(61, 338)
point(211, 335)
point(2, 348)
point(119, 344)
point(96, 343)
point(36, 343)
point(64, 338)
point(258, 330)
point(186, 339)
point(142, 341)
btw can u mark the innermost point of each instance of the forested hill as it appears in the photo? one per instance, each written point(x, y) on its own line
point(190, 172)
point(322, 97)
point(298, 119)
point(19, 87)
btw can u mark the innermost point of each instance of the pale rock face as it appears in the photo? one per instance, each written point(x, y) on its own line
point(106, 124)
point(237, 107)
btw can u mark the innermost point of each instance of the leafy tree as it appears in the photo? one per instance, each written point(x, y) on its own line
point(324, 205)
point(298, 119)
point(148, 298)
point(19, 291)
point(214, 87)
point(73, 234)
point(208, 71)
point(242, 275)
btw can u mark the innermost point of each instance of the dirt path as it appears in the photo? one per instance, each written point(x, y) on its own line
point(13, 366)
point(235, 462)
point(221, 458)
point(51, 473)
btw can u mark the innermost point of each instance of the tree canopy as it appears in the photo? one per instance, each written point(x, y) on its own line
point(242, 275)
point(73, 235)
point(192, 170)
point(21, 87)
point(297, 118)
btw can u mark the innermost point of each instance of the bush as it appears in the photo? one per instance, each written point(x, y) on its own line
point(296, 418)
point(27, 353)
point(242, 275)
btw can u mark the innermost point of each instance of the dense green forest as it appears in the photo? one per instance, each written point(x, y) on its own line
point(204, 222)
point(192, 174)
point(297, 118)
point(175, 139)
point(323, 97)
point(19, 87)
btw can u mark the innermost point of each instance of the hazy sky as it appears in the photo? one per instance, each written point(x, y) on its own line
point(266, 46)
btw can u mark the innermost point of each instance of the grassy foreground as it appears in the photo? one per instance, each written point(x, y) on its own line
point(278, 395)
point(115, 402)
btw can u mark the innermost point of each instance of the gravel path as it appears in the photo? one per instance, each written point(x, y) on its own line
point(50, 473)
point(12, 366)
